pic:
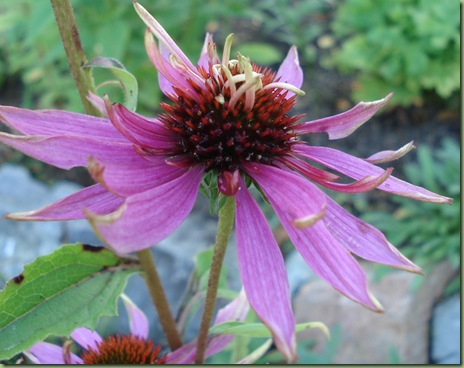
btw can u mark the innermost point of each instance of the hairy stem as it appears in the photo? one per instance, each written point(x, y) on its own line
point(69, 33)
point(226, 222)
point(159, 299)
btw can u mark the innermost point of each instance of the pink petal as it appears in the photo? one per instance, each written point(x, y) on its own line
point(236, 310)
point(208, 53)
point(70, 151)
point(362, 239)
point(127, 180)
point(94, 198)
point(168, 76)
point(139, 130)
point(342, 125)
point(366, 184)
point(86, 338)
point(263, 273)
point(357, 168)
point(148, 217)
point(47, 353)
point(56, 122)
point(288, 194)
point(137, 320)
point(330, 260)
point(304, 203)
point(308, 170)
point(387, 156)
point(290, 70)
point(161, 34)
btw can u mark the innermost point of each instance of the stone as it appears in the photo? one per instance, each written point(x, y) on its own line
point(446, 335)
point(400, 333)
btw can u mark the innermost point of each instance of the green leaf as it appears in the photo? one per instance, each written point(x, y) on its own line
point(56, 293)
point(260, 53)
point(260, 330)
point(126, 79)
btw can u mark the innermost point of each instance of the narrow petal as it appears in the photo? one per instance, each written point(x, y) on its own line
point(308, 170)
point(357, 168)
point(257, 353)
point(387, 156)
point(290, 194)
point(127, 180)
point(342, 125)
point(86, 338)
point(139, 130)
point(362, 239)
point(304, 203)
point(236, 310)
point(263, 274)
point(68, 151)
point(161, 34)
point(148, 217)
point(46, 353)
point(208, 53)
point(94, 198)
point(366, 184)
point(56, 122)
point(290, 71)
point(138, 322)
point(168, 76)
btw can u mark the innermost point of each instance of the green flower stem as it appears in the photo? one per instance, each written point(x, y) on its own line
point(69, 33)
point(226, 222)
point(159, 299)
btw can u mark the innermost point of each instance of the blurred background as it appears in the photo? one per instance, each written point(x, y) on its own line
point(351, 51)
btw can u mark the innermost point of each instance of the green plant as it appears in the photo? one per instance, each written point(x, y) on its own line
point(30, 46)
point(423, 232)
point(404, 46)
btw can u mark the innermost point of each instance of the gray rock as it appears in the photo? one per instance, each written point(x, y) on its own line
point(446, 336)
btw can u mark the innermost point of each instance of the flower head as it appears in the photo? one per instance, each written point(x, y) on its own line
point(233, 119)
point(136, 347)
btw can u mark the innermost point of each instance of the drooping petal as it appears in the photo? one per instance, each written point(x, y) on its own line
point(94, 198)
point(86, 338)
point(68, 151)
point(263, 274)
point(290, 71)
point(308, 170)
point(148, 217)
point(290, 194)
point(387, 156)
point(139, 130)
point(362, 239)
point(366, 184)
point(56, 122)
point(236, 310)
point(304, 203)
point(138, 322)
point(328, 258)
point(46, 353)
point(342, 125)
point(127, 180)
point(357, 168)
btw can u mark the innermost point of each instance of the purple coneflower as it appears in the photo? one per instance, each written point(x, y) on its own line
point(230, 118)
point(135, 347)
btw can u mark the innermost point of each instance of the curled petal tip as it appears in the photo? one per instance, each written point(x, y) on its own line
point(304, 222)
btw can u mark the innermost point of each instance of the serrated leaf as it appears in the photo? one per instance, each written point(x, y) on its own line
point(260, 330)
point(126, 79)
point(56, 293)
